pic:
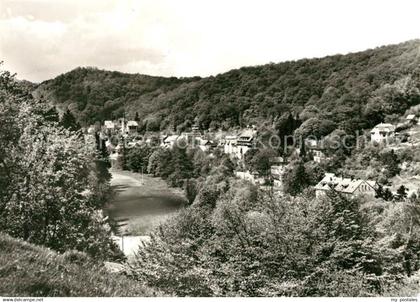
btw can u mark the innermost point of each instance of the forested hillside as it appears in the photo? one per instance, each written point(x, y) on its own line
point(52, 184)
point(235, 237)
point(351, 91)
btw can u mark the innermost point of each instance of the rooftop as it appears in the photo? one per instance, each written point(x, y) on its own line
point(247, 134)
point(132, 124)
point(277, 159)
point(171, 138)
point(384, 127)
point(340, 184)
point(109, 124)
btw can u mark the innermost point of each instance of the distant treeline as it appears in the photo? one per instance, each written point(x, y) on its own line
point(349, 92)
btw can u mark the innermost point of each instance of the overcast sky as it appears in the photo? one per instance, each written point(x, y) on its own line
point(40, 39)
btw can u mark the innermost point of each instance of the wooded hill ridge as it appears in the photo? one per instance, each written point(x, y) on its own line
point(352, 91)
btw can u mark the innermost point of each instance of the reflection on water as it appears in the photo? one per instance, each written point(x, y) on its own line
point(141, 204)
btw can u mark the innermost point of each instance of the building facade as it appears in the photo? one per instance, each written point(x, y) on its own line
point(347, 186)
point(382, 133)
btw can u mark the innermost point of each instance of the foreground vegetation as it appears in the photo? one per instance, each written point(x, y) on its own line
point(238, 240)
point(27, 270)
point(52, 185)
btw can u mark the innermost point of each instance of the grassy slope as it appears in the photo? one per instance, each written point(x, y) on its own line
point(28, 270)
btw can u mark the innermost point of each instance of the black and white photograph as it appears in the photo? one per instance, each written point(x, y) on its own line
point(209, 148)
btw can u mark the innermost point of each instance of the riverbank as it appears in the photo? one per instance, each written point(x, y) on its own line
point(141, 203)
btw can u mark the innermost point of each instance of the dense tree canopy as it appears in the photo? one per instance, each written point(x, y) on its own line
point(351, 91)
point(236, 240)
point(51, 189)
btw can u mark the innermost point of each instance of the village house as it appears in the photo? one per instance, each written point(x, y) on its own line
point(109, 127)
point(188, 136)
point(246, 138)
point(124, 127)
point(277, 160)
point(244, 143)
point(237, 146)
point(229, 144)
point(317, 150)
point(121, 126)
point(169, 141)
point(382, 133)
point(191, 137)
point(132, 127)
point(252, 177)
point(319, 155)
point(412, 119)
point(347, 186)
point(205, 145)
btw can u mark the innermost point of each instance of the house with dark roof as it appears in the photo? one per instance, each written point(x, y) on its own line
point(411, 118)
point(246, 138)
point(169, 141)
point(244, 143)
point(237, 146)
point(132, 126)
point(205, 145)
point(346, 186)
point(382, 133)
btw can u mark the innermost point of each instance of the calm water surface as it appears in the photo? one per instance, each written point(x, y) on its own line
point(141, 203)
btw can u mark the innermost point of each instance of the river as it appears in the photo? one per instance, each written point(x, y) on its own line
point(141, 203)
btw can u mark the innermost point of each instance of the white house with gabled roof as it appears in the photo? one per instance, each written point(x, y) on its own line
point(382, 133)
point(132, 126)
point(347, 186)
point(411, 118)
point(169, 141)
point(109, 125)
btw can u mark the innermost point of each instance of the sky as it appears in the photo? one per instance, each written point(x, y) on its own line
point(40, 39)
